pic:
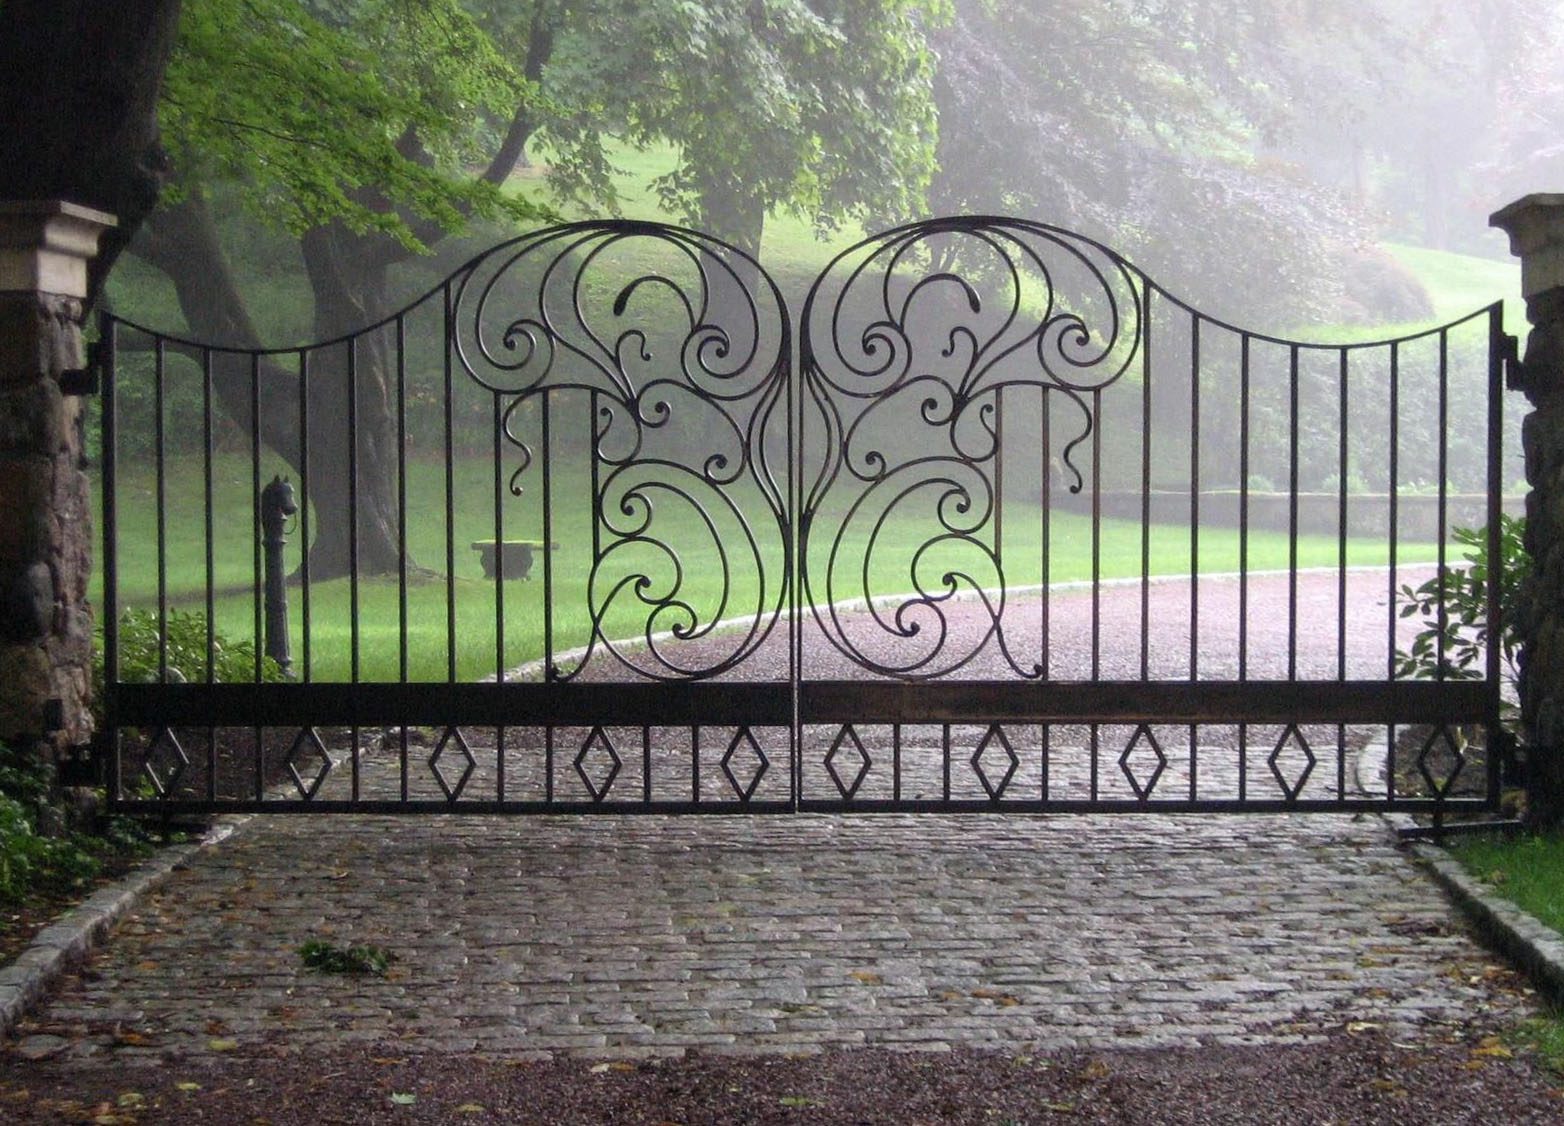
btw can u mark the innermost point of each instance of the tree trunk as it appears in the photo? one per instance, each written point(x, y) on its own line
point(352, 401)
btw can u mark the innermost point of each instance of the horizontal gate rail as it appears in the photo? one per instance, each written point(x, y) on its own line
point(1106, 701)
point(444, 705)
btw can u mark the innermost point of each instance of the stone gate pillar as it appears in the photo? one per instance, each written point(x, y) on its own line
point(45, 516)
point(1535, 225)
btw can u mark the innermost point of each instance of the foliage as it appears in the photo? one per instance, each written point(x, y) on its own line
point(824, 110)
point(1147, 126)
point(30, 860)
point(183, 657)
point(1454, 640)
point(339, 111)
point(327, 958)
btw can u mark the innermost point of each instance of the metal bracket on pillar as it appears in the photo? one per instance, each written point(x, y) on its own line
point(1514, 367)
point(84, 381)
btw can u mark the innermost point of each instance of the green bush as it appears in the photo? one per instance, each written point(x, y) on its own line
point(186, 650)
point(1457, 647)
point(30, 860)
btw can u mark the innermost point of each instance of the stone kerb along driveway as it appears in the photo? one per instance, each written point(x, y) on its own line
point(656, 935)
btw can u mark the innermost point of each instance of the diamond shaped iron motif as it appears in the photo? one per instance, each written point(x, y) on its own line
point(1143, 792)
point(1291, 732)
point(597, 740)
point(308, 742)
point(847, 735)
point(745, 738)
point(165, 741)
point(452, 792)
point(1441, 734)
point(993, 736)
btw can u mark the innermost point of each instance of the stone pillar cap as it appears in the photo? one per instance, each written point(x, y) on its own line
point(45, 245)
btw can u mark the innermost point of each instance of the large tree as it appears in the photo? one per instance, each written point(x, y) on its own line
point(352, 126)
point(824, 110)
point(1152, 126)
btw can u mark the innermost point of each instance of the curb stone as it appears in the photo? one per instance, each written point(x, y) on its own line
point(1530, 945)
point(1535, 948)
point(68, 939)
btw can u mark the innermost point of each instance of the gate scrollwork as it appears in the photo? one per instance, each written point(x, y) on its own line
point(663, 356)
point(910, 341)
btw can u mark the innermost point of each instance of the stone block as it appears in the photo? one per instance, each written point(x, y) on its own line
point(25, 683)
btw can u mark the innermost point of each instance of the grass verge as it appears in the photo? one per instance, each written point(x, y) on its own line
point(1529, 871)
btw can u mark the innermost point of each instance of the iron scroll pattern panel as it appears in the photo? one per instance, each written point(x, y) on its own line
point(910, 341)
point(676, 349)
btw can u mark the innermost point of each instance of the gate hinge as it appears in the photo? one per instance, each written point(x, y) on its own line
point(1510, 357)
point(84, 380)
point(82, 765)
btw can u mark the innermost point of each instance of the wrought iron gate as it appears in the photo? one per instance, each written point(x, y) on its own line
point(581, 530)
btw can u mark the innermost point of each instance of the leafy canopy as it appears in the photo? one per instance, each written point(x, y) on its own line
point(346, 110)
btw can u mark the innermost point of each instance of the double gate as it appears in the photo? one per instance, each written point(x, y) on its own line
point(599, 525)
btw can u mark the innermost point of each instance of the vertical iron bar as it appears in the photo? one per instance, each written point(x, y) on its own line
point(1444, 498)
point(161, 472)
point(1194, 533)
point(499, 544)
point(401, 498)
point(255, 524)
point(1048, 519)
point(1342, 467)
point(449, 391)
point(1392, 521)
point(548, 537)
point(255, 502)
point(401, 536)
point(1092, 743)
point(945, 765)
point(353, 624)
point(108, 335)
point(208, 559)
point(1145, 499)
point(1243, 552)
point(1494, 478)
point(896, 762)
point(304, 503)
point(1292, 513)
point(1096, 536)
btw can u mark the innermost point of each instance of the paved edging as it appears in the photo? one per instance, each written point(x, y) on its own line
point(1532, 946)
point(66, 941)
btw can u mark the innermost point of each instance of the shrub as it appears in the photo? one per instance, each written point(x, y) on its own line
point(1457, 648)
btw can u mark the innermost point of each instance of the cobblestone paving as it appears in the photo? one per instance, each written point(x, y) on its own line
point(636, 936)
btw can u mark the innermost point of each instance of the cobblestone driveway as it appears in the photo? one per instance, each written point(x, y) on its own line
point(651, 935)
